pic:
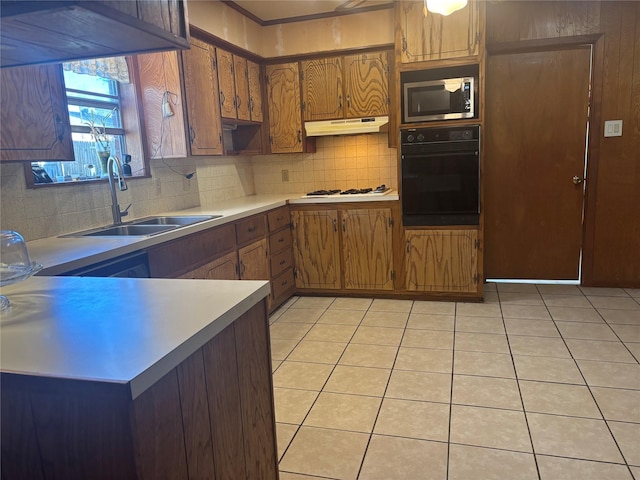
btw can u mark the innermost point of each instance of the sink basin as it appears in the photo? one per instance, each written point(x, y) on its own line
point(128, 231)
point(180, 220)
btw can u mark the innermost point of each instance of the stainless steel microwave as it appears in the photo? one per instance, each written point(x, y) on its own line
point(445, 99)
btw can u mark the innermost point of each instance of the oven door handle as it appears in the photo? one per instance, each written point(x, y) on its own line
point(412, 156)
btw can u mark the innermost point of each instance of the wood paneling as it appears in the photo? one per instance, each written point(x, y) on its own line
point(367, 249)
point(226, 83)
point(534, 146)
point(316, 248)
point(203, 103)
point(285, 117)
point(442, 260)
point(160, 82)
point(322, 89)
point(34, 116)
point(250, 229)
point(366, 84)
point(435, 36)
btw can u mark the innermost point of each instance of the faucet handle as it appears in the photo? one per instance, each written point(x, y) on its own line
point(125, 212)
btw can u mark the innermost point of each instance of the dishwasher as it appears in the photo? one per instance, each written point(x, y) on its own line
point(134, 265)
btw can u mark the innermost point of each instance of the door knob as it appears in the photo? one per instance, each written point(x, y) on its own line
point(576, 180)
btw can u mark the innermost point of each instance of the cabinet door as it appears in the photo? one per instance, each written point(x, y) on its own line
point(159, 76)
point(34, 119)
point(316, 249)
point(242, 87)
point(254, 261)
point(322, 89)
point(366, 84)
point(255, 91)
point(226, 83)
point(437, 36)
point(367, 249)
point(442, 260)
point(203, 104)
point(283, 97)
point(223, 268)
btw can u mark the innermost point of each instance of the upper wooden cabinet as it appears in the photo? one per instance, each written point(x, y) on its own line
point(345, 87)
point(46, 32)
point(35, 118)
point(285, 118)
point(203, 105)
point(162, 103)
point(322, 89)
point(240, 92)
point(366, 84)
point(436, 36)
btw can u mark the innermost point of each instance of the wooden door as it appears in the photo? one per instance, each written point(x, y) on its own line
point(203, 105)
point(436, 36)
point(242, 87)
point(367, 250)
point(159, 76)
point(254, 261)
point(285, 119)
point(366, 84)
point(223, 268)
point(34, 119)
point(255, 91)
point(536, 117)
point(227, 84)
point(322, 89)
point(442, 260)
point(316, 249)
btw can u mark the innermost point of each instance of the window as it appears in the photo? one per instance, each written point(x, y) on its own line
point(95, 105)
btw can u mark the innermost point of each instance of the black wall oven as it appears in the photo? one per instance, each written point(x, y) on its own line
point(440, 175)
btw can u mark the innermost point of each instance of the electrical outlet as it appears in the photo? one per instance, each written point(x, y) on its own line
point(613, 128)
point(285, 175)
point(158, 187)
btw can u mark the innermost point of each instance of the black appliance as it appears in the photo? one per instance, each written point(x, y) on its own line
point(440, 175)
point(134, 265)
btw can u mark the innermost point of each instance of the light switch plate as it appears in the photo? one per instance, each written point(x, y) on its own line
point(613, 128)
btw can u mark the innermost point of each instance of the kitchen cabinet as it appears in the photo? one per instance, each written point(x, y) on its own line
point(240, 91)
point(285, 117)
point(48, 32)
point(223, 268)
point(437, 37)
point(345, 87)
point(161, 88)
point(442, 261)
point(367, 248)
point(202, 100)
point(366, 84)
point(322, 89)
point(316, 249)
point(254, 261)
point(255, 91)
point(226, 83)
point(34, 115)
point(280, 255)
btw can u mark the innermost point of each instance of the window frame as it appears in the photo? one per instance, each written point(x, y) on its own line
point(132, 127)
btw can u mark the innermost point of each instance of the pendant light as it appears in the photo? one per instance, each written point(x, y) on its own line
point(445, 7)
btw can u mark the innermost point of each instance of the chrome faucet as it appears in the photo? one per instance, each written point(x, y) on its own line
point(122, 185)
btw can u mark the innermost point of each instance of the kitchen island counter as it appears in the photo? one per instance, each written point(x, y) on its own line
point(118, 378)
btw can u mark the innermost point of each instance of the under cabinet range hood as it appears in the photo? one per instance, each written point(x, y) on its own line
point(348, 126)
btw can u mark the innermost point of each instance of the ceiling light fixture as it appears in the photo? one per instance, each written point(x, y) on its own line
point(445, 7)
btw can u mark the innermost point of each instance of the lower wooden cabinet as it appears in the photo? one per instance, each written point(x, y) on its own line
point(350, 249)
point(316, 249)
point(254, 261)
point(223, 268)
point(442, 261)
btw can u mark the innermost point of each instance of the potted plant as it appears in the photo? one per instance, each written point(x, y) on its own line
point(98, 130)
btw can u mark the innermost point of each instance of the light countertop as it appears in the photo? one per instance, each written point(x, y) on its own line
point(115, 330)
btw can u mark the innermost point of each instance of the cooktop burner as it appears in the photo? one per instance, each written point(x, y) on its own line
point(352, 191)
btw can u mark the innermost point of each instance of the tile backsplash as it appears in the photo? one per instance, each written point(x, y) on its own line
point(349, 161)
point(50, 211)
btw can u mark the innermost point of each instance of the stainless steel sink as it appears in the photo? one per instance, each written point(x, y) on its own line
point(127, 231)
point(180, 220)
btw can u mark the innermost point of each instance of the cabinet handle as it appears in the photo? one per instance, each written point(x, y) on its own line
point(299, 136)
point(192, 134)
point(408, 246)
point(344, 225)
point(279, 219)
point(242, 268)
point(251, 229)
point(59, 127)
point(281, 239)
point(335, 224)
point(284, 283)
point(282, 262)
point(238, 102)
point(222, 98)
point(340, 101)
point(348, 100)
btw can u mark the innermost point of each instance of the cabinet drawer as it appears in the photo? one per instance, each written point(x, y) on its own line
point(278, 218)
point(282, 284)
point(176, 258)
point(281, 261)
point(252, 228)
point(279, 241)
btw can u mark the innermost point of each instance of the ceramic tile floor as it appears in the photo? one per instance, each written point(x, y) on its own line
point(539, 382)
